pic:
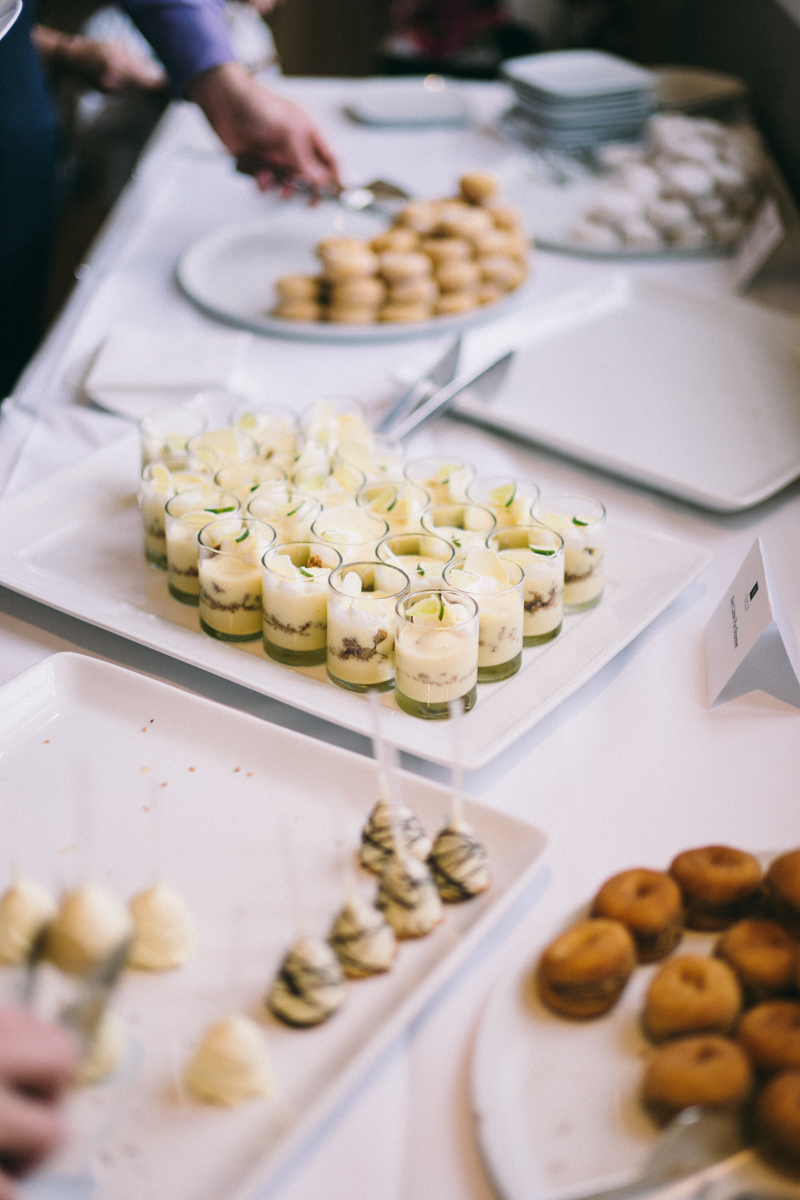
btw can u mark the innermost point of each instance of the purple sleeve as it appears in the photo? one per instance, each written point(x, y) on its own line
point(189, 36)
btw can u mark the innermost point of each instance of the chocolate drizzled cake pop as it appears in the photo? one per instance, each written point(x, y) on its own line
point(309, 986)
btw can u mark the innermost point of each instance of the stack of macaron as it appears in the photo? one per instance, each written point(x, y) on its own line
point(725, 1025)
point(439, 258)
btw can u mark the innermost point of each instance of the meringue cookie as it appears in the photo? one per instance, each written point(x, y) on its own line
point(309, 987)
point(458, 862)
point(165, 934)
point(377, 838)
point(25, 909)
point(89, 925)
point(408, 896)
point(363, 939)
point(230, 1064)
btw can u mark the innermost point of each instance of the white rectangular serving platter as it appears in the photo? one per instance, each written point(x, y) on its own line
point(74, 542)
point(696, 396)
point(254, 825)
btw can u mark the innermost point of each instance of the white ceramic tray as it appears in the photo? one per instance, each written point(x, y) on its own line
point(231, 272)
point(74, 542)
point(557, 1104)
point(692, 395)
point(255, 826)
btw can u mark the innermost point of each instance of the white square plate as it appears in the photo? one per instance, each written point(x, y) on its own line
point(255, 824)
point(74, 542)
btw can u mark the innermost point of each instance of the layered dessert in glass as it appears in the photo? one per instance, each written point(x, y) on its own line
point(422, 556)
point(361, 622)
point(380, 458)
point(353, 531)
point(511, 500)
point(497, 587)
point(335, 419)
point(265, 422)
point(400, 504)
point(185, 515)
point(581, 522)
point(294, 594)
point(540, 553)
point(436, 652)
point(229, 566)
point(165, 435)
point(290, 512)
point(249, 476)
point(216, 447)
point(157, 486)
point(330, 486)
point(310, 453)
point(459, 524)
point(446, 482)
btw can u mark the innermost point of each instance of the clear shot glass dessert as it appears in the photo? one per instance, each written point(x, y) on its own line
point(310, 453)
point(459, 524)
point(401, 504)
point(540, 553)
point(217, 447)
point(330, 486)
point(263, 421)
point(335, 419)
point(422, 556)
point(362, 597)
point(445, 482)
point(352, 530)
point(290, 512)
point(380, 458)
point(247, 477)
point(229, 570)
point(581, 522)
point(157, 486)
point(185, 515)
point(436, 652)
point(511, 500)
point(165, 434)
point(496, 585)
point(294, 594)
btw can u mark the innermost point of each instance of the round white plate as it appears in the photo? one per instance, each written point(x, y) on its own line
point(231, 273)
point(9, 11)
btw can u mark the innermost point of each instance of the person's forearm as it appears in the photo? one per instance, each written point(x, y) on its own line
point(53, 45)
point(189, 36)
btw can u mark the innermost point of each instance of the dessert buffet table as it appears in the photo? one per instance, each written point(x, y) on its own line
point(629, 770)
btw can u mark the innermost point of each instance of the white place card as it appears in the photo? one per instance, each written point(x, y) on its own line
point(765, 234)
point(750, 644)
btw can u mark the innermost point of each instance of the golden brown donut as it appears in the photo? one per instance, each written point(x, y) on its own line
point(298, 310)
point(583, 972)
point(414, 291)
point(297, 287)
point(405, 312)
point(349, 264)
point(352, 314)
point(478, 186)
point(358, 293)
point(453, 303)
point(770, 1034)
point(446, 250)
point(692, 994)
point(396, 265)
point(763, 955)
point(720, 885)
point(396, 238)
point(649, 904)
point(708, 1070)
point(458, 276)
point(782, 885)
point(777, 1118)
point(421, 216)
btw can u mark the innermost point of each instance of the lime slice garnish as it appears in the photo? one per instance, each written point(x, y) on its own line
point(420, 569)
point(385, 499)
point(307, 574)
point(503, 497)
point(242, 535)
point(247, 421)
point(159, 476)
point(230, 508)
point(578, 521)
point(538, 550)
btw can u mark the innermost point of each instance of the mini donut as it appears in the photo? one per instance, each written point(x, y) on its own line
point(763, 956)
point(298, 310)
point(692, 994)
point(488, 293)
point(720, 885)
point(649, 904)
point(467, 224)
point(405, 312)
point(458, 276)
point(337, 244)
point(782, 886)
point(584, 971)
point(396, 238)
point(709, 1070)
point(297, 287)
point(502, 271)
point(453, 303)
point(478, 187)
point(396, 265)
point(358, 293)
point(505, 216)
point(352, 314)
point(446, 250)
point(414, 291)
point(350, 264)
point(421, 216)
point(770, 1034)
point(777, 1118)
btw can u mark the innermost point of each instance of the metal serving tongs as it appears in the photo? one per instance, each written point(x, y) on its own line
point(84, 1014)
point(379, 195)
point(435, 378)
point(484, 384)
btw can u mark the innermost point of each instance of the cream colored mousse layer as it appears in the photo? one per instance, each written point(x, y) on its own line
point(165, 934)
point(230, 1064)
point(362, 939)
point(448, 485)
point(89, 925)
point(458, 862)
point(25, 909)
point(155, 493)
point(361, 632)
point(106, 1051)
point(295, 601)
point(182, 551)
point(500, 606)
point(230, 587)
point(378, 844)
point(408, 896)
point(309, 987)
point(584, 556)
point(542, 591)
point(436, 656)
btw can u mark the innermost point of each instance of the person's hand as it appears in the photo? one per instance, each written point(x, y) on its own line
point(270, 137)
point(106, 66)
point(37, 1062)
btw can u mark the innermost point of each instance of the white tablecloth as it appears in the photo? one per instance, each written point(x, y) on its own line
point(631, 769)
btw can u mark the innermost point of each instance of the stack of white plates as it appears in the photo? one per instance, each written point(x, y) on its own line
point(577, 98)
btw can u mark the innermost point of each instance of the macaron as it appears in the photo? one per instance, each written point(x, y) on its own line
point(396, 265)
point(453, 303)
point(414, 291)
point(298, 310)
point(478, 186)
point(405, 312)
point(458, 276)
point(297, 287)
point(445, 250)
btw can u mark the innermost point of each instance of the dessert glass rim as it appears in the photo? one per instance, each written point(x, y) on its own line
point(538, 528)
point(231, 510)
point(249, 521)
point(380, 485)
point(252, 464)
point(459, 597)
point(363, 515)
point(416, 533)
point(372, 563)
point(500, 480)
point(291, 493)
point(437, 459)
point(428, 514)
point(552, 498)
point(458, 563)
point(277, 548)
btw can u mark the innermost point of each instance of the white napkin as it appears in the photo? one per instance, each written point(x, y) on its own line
point(139, 370)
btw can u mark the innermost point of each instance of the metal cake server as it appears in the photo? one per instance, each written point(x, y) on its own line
point(436, 377)
point(485, 383)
